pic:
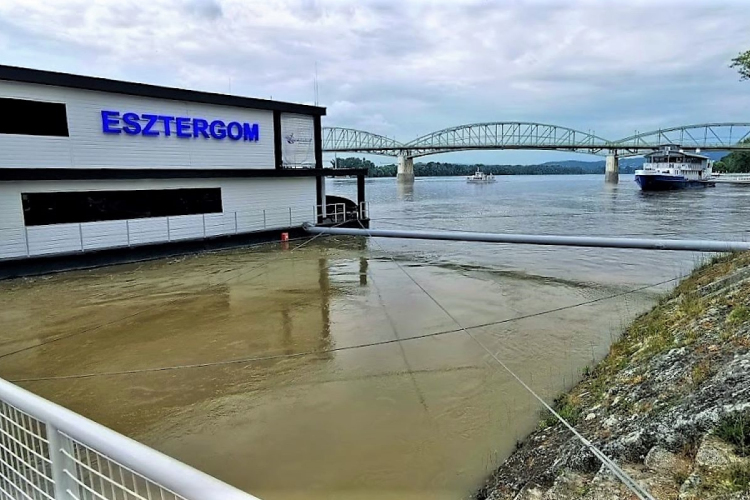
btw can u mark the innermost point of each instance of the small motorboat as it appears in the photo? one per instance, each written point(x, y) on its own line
point(480, 177)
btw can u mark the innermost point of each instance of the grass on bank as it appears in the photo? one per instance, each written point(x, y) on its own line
point(735, 429)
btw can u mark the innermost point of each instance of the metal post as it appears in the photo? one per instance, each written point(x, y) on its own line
point(235, 222)
point(58, 446)
point(290, 216)
point(204, 226)
point(127, 230)
point(538, 239)
point(26, 232)
point(80, 234)
point(169, 236)
point(264, 218)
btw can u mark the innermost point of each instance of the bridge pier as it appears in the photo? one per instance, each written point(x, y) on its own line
point(612, 169)
point(405, 173)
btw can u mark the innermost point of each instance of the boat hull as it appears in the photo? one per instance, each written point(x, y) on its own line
point(668, 183)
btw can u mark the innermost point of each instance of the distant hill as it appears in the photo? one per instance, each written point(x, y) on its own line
point(627, 165)
point(564, 167)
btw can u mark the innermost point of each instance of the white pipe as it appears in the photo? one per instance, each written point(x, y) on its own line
point(535, 239)
point(163, 470)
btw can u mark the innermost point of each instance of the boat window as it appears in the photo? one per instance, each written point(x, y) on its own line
point(41, 209)
point(24, 117)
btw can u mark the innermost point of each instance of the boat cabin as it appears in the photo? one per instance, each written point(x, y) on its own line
point(677, 162)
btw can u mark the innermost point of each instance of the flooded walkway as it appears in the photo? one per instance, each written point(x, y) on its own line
point(422, 419)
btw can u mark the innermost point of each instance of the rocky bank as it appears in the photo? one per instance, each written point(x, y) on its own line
point(670, 404)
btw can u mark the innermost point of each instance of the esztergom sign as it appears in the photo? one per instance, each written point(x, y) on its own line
point(151, 125)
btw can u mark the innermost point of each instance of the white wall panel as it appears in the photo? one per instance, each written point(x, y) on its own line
point(88, 146)
point(255, 205)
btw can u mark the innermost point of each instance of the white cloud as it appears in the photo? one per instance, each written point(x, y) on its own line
point(406, 68)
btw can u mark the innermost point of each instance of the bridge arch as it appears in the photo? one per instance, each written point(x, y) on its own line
point(338, 139)
point(507, 135)
point(709, 136)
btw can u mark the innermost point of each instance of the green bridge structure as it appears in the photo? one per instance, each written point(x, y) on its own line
point(731, 136)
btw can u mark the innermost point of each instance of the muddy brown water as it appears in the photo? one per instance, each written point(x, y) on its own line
point(420, 419)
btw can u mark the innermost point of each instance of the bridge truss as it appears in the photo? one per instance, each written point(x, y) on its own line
point(539, 136)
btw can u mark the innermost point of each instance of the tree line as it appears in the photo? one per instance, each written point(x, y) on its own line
point(441, 169)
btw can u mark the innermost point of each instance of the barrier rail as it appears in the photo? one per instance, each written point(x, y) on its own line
point(32, 241)
point(48, 452)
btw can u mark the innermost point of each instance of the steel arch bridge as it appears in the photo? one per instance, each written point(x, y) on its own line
point(539, 136)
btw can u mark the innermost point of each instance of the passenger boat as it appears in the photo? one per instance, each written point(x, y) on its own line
point(480, 177)
point(674, 169)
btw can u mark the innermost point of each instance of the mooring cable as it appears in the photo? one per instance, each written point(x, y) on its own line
point(631, 484)
point(274, 357)
point(169, 302)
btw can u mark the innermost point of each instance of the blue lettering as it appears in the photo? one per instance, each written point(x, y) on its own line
point(167, 120)
point(151, 122)
point(183, 126)
point(234, 130)
point(110, 119)
point(199, 127)
point(217, 129)
point(132, 125)
point(251, 132)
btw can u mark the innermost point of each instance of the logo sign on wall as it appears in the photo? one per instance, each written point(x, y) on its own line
point(298, 145)
point(151, 125)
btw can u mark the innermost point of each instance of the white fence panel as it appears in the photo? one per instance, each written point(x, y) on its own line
point(12, 243)
point(50, 453)
point(57, 238)
point(277, 218)
point(250, 221)
point(186, 227)
point(220, 224)
point(145, 231)
point(105, 234)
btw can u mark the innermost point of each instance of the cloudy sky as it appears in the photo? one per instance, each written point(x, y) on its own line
point(405, 68)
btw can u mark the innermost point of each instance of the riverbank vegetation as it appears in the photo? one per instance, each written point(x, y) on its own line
point(440, 169)
point(735, 162)
point(670, 403)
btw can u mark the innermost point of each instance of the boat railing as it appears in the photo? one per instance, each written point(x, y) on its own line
point(51, 453)
point(71, 238)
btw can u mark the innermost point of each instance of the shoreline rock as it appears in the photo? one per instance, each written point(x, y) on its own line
point(670, 404)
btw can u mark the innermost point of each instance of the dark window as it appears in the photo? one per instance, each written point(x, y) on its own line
point(40, 209)
point(23, 117)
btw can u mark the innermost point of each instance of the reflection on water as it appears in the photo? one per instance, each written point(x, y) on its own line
point(425, 418)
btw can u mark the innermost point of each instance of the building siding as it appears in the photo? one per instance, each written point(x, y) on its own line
point(248, 205)
point(89, 147)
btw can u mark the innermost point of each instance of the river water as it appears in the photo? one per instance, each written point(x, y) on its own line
point(426, 418)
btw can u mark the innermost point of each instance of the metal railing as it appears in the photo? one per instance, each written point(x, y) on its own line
point(48, 452)
point(337, 212)
point(56, 239)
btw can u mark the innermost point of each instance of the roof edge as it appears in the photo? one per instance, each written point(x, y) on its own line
point(98, 84)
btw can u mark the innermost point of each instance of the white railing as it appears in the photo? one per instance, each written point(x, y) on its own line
point(48, 452)
point(33, 241)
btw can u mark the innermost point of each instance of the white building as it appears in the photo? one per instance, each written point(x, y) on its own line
point(90, 164)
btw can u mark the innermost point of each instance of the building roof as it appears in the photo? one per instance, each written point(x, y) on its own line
point(37, 76)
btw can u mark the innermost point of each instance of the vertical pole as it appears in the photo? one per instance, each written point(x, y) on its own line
point(264, 218)
point(235, 222)
point(290, 216)
point(169, 236)
point(127, 230)
point(58, 447)
point(204, 226)
point(80, 234)
point(26, 233)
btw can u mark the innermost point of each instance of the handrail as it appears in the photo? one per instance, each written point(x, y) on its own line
point(165, 471)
